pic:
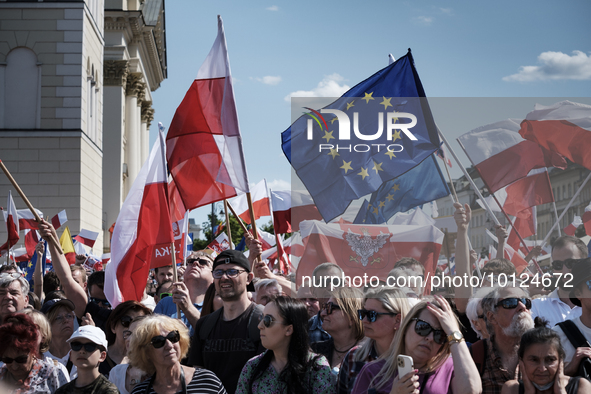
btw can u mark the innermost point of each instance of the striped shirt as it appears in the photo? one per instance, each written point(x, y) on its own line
point(203, 382)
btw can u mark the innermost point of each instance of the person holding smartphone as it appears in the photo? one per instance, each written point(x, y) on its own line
point(429, 334)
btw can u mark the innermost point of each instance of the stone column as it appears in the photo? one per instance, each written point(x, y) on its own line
point(132, 127)
point(141, 98)
point(147, 117)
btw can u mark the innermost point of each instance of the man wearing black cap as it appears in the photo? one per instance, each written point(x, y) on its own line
point(580, 295)
point(227, 338)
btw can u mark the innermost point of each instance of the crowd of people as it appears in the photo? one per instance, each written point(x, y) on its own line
point(230, 325)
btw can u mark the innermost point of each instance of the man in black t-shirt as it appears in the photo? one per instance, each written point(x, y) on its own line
point(226, 339)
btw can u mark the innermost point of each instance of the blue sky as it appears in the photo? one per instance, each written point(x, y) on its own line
point(461, 49)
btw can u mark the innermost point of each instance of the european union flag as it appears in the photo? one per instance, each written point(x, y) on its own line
point(420, 185)
point(378, 130)
point(30, 265)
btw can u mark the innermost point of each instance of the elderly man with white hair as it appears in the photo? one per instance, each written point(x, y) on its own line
point(266, 289)
point(14, 293)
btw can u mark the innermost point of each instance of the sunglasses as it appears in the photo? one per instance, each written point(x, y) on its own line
point(423, 329)
point(558, 264)
point(372, 316)
point(126, 321)
point(100, 301)
point(89, 347)
point(20, 359)
point(511, 303)
point(268, 320)
point(159, 341)
point(231, 273)
point(201, 262)
point(329, 307)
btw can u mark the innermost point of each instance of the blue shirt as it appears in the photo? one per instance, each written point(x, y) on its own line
point(167, 307)
point(315, 331)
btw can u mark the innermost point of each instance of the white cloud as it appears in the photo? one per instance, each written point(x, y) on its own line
point(555, 65)
point(330, 86)
point(447, 11)
point(273, 8)
point(278, 185)
point(425, 20)
point(269, 80)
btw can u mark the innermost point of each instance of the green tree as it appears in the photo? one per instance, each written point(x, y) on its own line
point(235, 228)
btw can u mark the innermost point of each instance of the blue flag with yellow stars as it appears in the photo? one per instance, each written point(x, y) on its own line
point(30, 265)
point(378, 130)
point(420, 185)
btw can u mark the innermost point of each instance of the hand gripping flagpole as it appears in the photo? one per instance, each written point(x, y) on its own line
point(28, 203)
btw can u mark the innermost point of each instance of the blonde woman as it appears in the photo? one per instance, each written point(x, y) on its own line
point(383, 310)
point(430, 333)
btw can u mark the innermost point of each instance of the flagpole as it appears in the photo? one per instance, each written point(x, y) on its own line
point(228, 229)
point(556, 213)
point(253, 222)
point(566, 209)
point(175, 277)
point(451, 182)
point(238, 217)
point(28, 203)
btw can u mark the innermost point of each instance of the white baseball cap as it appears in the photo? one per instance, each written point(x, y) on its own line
point(92, 333)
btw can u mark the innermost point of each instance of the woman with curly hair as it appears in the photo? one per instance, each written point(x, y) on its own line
point(288, 365)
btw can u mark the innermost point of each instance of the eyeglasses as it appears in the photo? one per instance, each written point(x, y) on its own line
point(511, 303)
point(89, 347)
point(159, 341)
point(201, 262)
point(126, 321)
point(268, 320)
point(330, 307)
point(558, 264)
point(100, 301)
point(231, 273)
point(64, 318)
point(423, 329)
point(164, 295)
point(20, 359)
point(372, 316)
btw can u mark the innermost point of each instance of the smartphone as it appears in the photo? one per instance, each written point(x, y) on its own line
point(405, 365)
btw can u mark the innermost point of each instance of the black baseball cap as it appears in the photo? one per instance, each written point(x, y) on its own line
point(231, 256)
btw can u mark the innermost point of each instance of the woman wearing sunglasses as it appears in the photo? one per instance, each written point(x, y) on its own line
point(117, 323)
point(541, 363)
point(428, 334)
point(288, 365)
point(24, 370)
point(157, 346)
point(383, 310)
point(340, 320)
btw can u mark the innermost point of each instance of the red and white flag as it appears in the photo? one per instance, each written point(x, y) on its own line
point(12, 225)
point(179, 229)
point(19, 255)
point(260, 203)
point(510, 254)
point(572, 228)
point(563, 128)
point(31, 240)
point(105, 258)
point(281, 202)
point(502, 156)
point(26, 219)
point(366, 250)
point(302, 208)
point(587, 219)
point(143, 226)
point(204, 146)
point(220, 244)
point(59, 220)
point(524, 224)
point(87, 237)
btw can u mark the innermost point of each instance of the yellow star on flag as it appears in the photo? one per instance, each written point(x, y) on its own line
point(391, 154)
point(346, 166)
point(363, 173)
point(333, 119)
point(375, 210)
point(396, 187)
point(30, 264)
point(395, 136)
point(382, 204)
point(368, 96)
point(26, 273)
point(377, 167)
point(333, 153)
point(349, 105)
point(386, 103)
point(329, 136)
point(389, 197)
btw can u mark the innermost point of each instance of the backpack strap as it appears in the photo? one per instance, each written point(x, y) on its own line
point(574, 335)
point(208, 324)
point(254, 334)
point(478, 352)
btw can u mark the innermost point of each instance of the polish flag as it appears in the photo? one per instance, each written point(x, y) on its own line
point(142, 228)
point(105, 258)
point(526, 224)
point(367, 250)
point(59, 220)
point(31, 241)
point(563, 128)
point(510, 254)
point(87, 237)
point(587, 219)
point(281, 202)
point(19, 255)
point(572, 228)
point(220, 244)
point(302, 208)
point(281, 250)
point(26, 219)
point(260, 203)
point(179, 229)
point(204, 146)
point(12, 225)
point(502, 156)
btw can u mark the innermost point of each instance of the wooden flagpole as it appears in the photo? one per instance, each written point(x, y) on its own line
point(228, 229)
point(255, 233)
point(175, 276)
point(28, 203)
point(238, 217)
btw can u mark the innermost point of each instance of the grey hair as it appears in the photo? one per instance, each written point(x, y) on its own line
point(472, 307)
point(7, 279)
point(489, 303)
point(326, 267)
point(268, 283)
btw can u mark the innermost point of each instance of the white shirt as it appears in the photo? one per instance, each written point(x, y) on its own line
point(553, 309)
point(568, 347)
